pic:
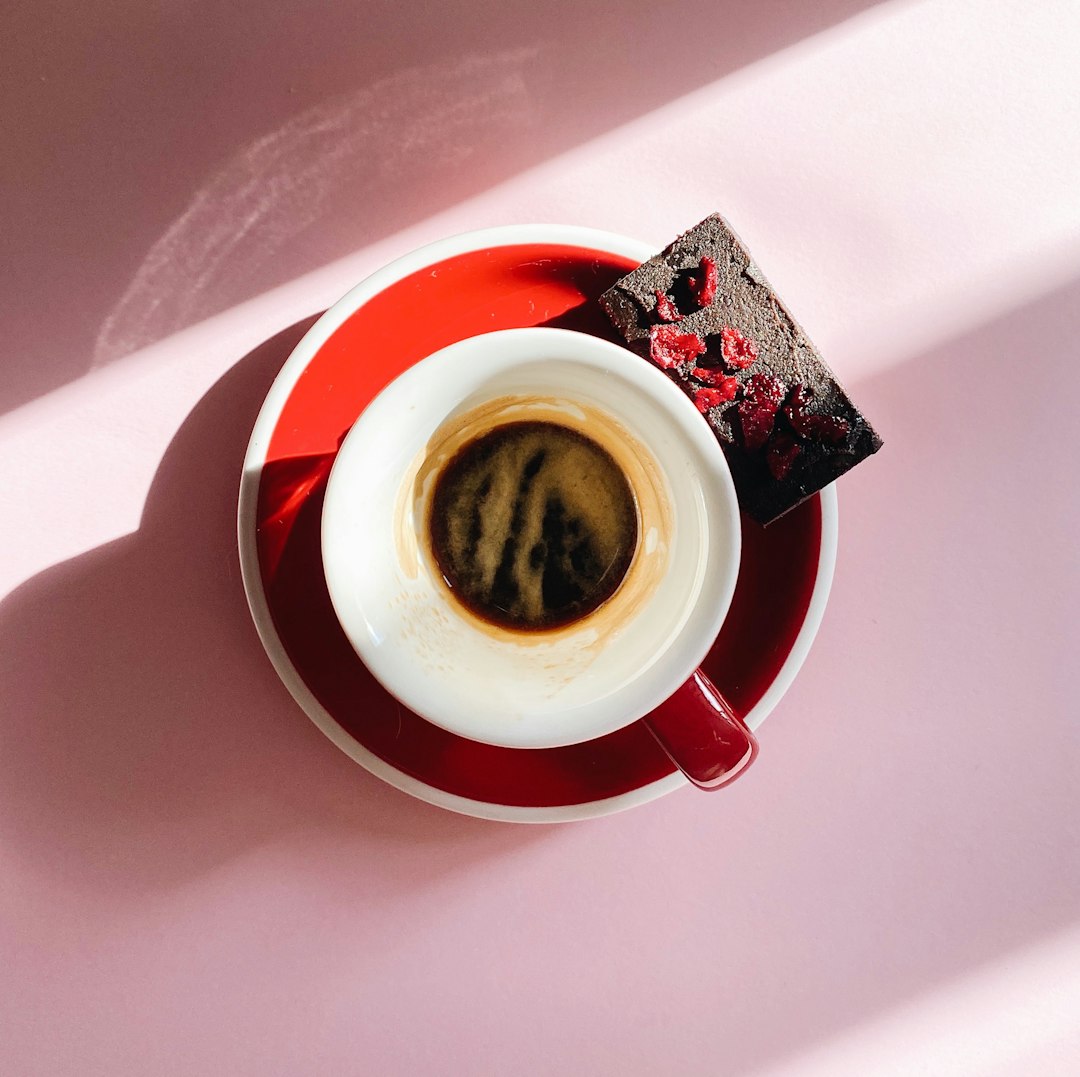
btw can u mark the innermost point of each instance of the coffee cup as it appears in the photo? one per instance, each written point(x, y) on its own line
point(531, 538)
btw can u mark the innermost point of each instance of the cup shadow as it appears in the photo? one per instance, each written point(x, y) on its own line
point(147, 739)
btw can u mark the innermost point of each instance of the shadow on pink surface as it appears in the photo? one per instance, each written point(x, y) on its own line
point(945, 834)
point(151, 742)
point(169, 163)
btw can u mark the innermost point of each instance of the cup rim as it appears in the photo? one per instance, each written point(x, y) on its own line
point(470, 713)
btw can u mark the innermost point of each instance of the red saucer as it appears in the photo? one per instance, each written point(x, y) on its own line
point(310, 409)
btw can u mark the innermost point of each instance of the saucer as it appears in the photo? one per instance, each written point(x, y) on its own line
point(518, 276)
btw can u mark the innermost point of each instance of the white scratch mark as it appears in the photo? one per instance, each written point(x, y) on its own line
point(359, 147)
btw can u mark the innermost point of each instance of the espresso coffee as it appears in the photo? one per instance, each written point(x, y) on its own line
point(533, 525)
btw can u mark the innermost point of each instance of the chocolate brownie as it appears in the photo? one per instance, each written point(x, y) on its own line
point(703, 311)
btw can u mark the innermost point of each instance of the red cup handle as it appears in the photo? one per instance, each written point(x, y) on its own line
point(702, 734)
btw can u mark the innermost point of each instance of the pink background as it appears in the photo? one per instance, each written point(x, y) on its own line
point(193, 880)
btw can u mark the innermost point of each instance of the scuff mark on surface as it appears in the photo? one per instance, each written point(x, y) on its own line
point(355, 150)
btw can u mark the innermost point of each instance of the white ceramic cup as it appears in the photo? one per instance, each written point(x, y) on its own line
point(532, 689)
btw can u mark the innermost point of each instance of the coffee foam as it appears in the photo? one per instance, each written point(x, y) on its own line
point(533, 525)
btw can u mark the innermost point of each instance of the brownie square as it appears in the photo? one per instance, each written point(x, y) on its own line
point(703, 312)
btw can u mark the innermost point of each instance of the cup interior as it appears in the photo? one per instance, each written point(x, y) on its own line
point(545, 689)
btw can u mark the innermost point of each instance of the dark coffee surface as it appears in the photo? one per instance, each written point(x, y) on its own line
point(533, 525)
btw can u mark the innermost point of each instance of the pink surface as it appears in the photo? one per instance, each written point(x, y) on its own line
point(193, 880)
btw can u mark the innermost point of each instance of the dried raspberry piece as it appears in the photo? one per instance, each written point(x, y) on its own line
point(710, 398)
point(783, 449)
point(738, 351)
point(828, 428)
point(795, 405)
point(716, 379)
point(703, 286)
point(668, 347)
point(666, 310)
point(758, 407)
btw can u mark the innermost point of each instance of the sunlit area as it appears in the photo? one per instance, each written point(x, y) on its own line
point(196, 879)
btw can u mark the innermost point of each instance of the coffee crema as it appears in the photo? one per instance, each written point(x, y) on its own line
point(533, 525)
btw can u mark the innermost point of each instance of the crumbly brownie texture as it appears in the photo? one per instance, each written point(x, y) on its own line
point(704, 313)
